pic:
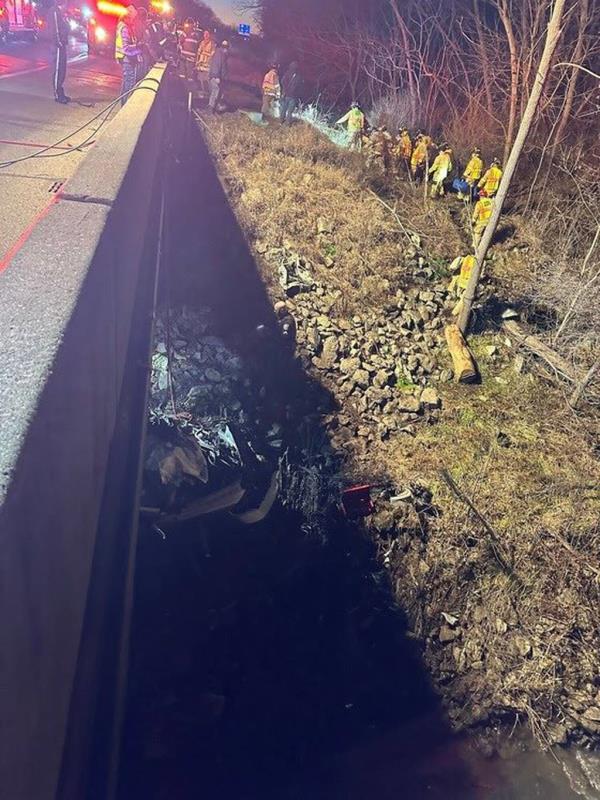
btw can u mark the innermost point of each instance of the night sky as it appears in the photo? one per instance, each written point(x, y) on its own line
point(226, 11)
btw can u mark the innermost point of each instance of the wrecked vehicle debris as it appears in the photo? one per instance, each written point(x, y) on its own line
point(208, 446)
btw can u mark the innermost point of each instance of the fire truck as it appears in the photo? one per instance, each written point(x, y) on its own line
point(101, 18)
point(18, 18)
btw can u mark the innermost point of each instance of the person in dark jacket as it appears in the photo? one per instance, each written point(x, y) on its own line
point(157, 38)
point(60, 36)
point(142, 36)
point(290, 91)
point(190, 42)
point(217, 72)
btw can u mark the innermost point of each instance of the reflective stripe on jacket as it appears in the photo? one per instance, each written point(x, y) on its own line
point(189, 47)
point(125, 44)
point(473, 170)
point(205, 52)
point(491, 180)
point(405, 145)
point(441, 167)
point(355, 119)
point(419, 155)
point(466, 268)
point(483, 211)
point(271, 85)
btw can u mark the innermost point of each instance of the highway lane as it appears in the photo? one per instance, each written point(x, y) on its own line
point(30, 119)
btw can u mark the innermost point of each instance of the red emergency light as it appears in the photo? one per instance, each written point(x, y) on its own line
point(111, 9)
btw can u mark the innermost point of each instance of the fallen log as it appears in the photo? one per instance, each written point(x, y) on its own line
point(465, 368)
point(547, 354)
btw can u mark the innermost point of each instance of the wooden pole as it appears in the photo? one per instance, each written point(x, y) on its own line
point(465, 369)
point(552, 37)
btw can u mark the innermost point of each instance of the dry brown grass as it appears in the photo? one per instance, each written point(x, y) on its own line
point(511, 444)
point(283, 181)
point(528, 464)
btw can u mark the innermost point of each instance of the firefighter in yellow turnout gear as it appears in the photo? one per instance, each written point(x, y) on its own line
point(481, 216)
point(472, 173)
point(440, 169)
point(420, 155)
point(463, 266)
point(355, 122)
point(491, 179)
point(402, 150)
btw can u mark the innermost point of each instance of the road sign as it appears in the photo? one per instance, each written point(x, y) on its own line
point(244, 29)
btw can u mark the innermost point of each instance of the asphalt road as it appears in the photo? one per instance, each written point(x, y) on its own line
point(30, 118)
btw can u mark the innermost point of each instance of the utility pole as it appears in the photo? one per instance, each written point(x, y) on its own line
point(552, 36)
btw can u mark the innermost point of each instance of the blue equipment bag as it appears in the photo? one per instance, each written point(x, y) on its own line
point(460, 185)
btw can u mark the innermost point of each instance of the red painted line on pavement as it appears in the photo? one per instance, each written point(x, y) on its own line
point(14, 249)
point(37, 144)
point(45, 65)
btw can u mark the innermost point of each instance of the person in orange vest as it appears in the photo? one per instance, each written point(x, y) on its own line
point(491, 179)
point(206, 51)
point(271, 89)
point(481, 216)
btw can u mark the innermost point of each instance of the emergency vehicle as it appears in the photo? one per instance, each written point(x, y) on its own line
point(102, 17)
point(18, 18)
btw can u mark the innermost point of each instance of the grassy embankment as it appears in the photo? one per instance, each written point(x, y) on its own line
point(524, 637)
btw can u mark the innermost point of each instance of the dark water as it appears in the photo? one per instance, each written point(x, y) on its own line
point(276, 667)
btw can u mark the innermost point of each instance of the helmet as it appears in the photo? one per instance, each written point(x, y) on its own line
point(477, 151)
point(496, 161)
point(224, 43)
point(354, 104)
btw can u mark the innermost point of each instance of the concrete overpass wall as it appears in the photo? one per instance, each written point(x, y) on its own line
point(74, 324)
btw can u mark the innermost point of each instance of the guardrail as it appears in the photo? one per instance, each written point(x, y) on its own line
point(75, 316)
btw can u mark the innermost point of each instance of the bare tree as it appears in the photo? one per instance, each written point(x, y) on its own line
point(552, 37)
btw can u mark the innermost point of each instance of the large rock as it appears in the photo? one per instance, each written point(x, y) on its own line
point(592, 714)
point(448, 634)
point(330, 352)
point(361, 378)
point(349, 365)
point(522, 646)
point(409, 404)
point(430, 398)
